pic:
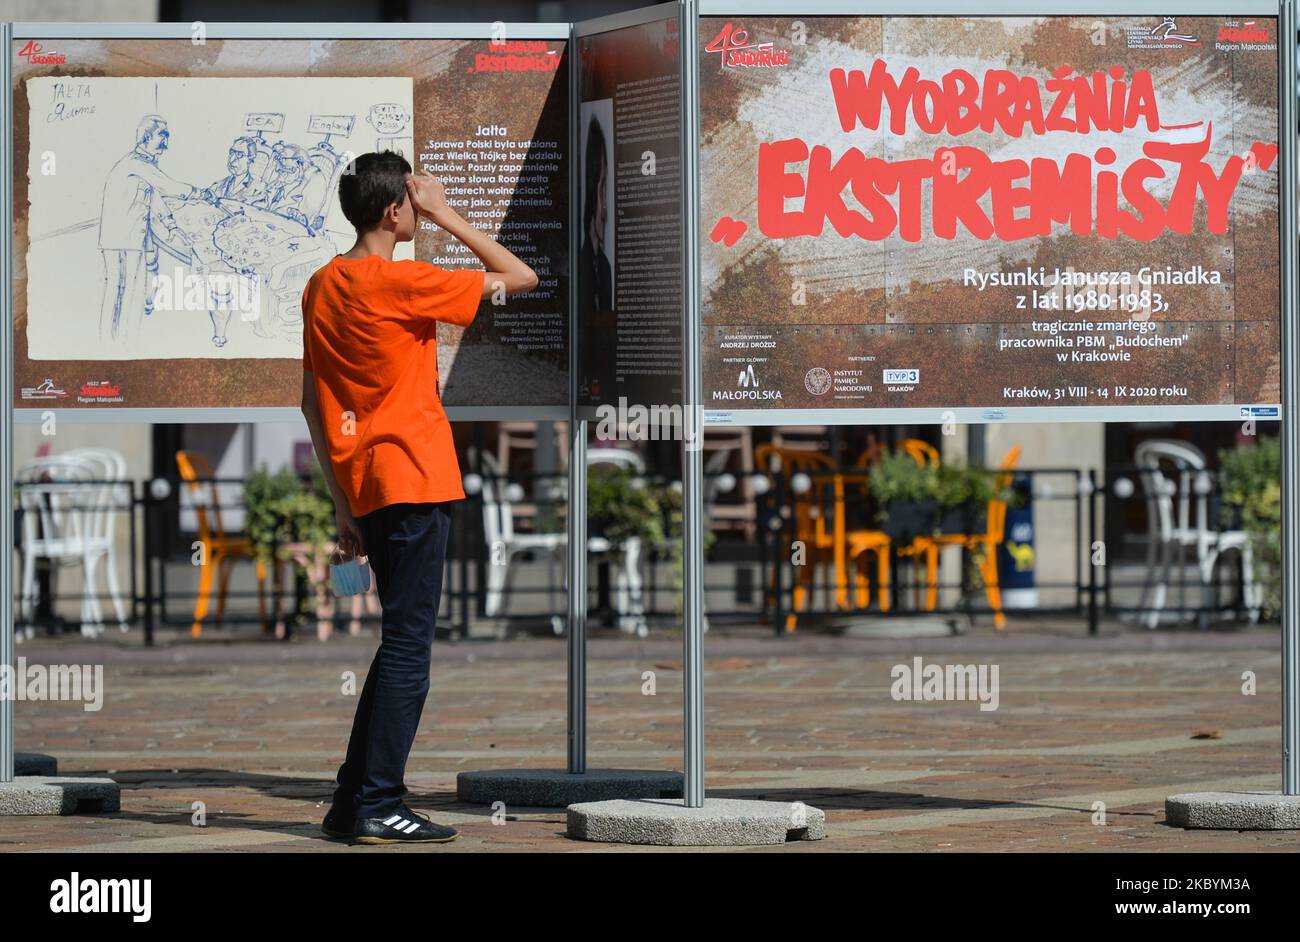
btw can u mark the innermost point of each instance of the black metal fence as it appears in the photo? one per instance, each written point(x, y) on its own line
point(749, 580)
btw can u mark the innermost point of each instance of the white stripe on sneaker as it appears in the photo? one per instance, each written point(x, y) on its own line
point(413, 827)
point(396, 817)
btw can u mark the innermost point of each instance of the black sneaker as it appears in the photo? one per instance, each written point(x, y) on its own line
point(403, 826)
point(338, 822)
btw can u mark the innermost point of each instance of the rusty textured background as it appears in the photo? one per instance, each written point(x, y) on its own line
point(866, 289)
point(611, 344)
point(450, 101)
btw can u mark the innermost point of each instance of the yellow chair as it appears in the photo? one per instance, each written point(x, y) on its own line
point(985, 543)
point(220, 552)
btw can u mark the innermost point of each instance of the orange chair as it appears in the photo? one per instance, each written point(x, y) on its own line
point(985, 543)
point(872, 454)
point(856, 544)
point(822, 543)
point(922, 453)
point(220, 552)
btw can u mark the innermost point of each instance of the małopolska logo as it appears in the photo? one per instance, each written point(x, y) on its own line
point(738, 52)
point(747, 381)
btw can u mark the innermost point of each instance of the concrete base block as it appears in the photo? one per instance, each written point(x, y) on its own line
point(1234, 811)
point(42, 794)
point(35, 763)
point(556, 788)
point(913, 627)
point(722, 822)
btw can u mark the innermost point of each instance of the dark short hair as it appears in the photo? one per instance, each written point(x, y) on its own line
point(370, 185)
point(594, 158)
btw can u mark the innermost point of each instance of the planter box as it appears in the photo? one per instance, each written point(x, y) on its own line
point(905, 519)
point(1223, 516)
point(963, 519)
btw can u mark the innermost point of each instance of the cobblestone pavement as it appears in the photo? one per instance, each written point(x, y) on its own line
point(254, 731)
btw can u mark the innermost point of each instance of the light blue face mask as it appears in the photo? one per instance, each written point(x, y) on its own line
point(349, 577)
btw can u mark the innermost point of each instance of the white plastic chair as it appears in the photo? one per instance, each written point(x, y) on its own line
point(69, 502)
point(113, 497)
point(626, 561)
point(715, 482)
point(620, 457)
point(53, 522)
point(503, 543)
point(1178, 519)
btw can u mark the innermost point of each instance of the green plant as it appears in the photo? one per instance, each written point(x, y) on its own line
point(897, 477)
point(621, 506)
point(280, 508)
point(1250, 481)
point(307, 518)
point(957, 486)
point(263, 493)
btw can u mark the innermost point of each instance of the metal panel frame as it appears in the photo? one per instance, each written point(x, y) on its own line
point(693, 522)
point(579, 415)
point(7, 639)
point(978, 415)
point(692, 459)
point(197, 415)
point(987, 8)
point(576, 521)
point(1288, 48)
point(12, 416)
point(607, 24)
point(289, 30)
point(1287, 130)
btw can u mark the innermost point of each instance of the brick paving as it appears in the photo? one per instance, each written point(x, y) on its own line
point(254, 731)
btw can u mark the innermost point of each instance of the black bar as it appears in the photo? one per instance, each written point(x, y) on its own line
point(134, 541)
point(1092, 555)
point(778, 555)
point(462, 548)
point(149, 552)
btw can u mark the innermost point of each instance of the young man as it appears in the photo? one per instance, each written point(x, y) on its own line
point(370, 395)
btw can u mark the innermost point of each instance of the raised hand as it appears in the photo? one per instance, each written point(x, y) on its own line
point(427, 194)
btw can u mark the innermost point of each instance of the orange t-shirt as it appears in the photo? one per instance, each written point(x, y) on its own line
point(369, 337)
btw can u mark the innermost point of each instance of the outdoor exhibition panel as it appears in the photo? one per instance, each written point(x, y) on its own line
point(1012, 217)
point(912, 216)
point(175, 187)
point(924, 216)
point(627, 223)
point(629, 154)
